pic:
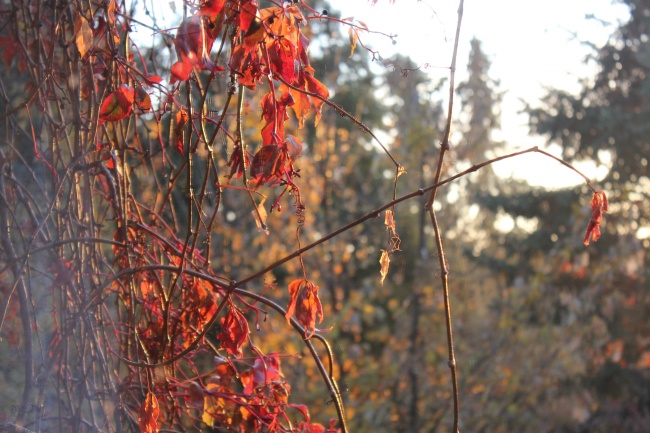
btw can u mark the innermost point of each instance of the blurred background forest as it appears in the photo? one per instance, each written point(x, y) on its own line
point(551, 336)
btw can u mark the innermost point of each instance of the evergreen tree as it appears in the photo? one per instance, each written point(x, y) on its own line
point(585, 304)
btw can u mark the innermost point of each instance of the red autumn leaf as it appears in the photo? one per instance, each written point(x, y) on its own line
point(306, 427)
point(274, 114)
point(234, 332)
point(148, 416)
point(284, 22)
point(599, 205)
point(315, 86)
point(333, 428)
point(306, 305)
point(282, 55)
point(236, 163)
point(265, 370)
point(117, 105)
point(302, 104)
point(268, 165)
point(212, 7)
point(9, 46)
point(304, 410)
point(194, 40)
point(248, 13)
point(153, 79)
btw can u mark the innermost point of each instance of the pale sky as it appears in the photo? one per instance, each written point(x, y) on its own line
point(531, 44)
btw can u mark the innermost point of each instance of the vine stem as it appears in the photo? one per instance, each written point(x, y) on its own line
point(234, 287)
point(444, 268)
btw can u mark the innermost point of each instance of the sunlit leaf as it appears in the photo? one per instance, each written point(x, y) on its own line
point(193, 42)
point(117, 105)
point(148, 416)
point(315, 86)
point(142, 99)
point(305, 304)
point(384, 262)
point(83, 34)
point(599, 205)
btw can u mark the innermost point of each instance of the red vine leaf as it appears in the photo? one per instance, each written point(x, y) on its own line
point(212, 7)
point(268, 165)
point(306, 305)
point(234, 332)
point(9, 46)
point(599, 205)
point(306, 427)
point(315, 86)
point(148, 416)
point(193, 42)
point(282, 55)
point(153, 79)
point(266, 370)
point(117, 105)
point(248, 14)
point(236, 163)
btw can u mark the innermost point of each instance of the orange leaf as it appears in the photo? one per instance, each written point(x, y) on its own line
point(148, 416)
point(306, 305)
point(315, 86)
point(83, 34)
point(142, 99)
point(117, 105)
point(181, 118)
point(599, 205)
point(384, 261)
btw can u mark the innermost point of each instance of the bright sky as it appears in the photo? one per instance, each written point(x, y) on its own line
point(531, 45)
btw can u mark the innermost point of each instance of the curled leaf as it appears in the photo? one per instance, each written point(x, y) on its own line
point(234, 332)
point(384, 261)
point(599, 205)
point(306, 305)
point(181, 118)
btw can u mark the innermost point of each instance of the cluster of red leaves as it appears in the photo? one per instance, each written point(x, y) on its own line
point(599, 206)
point(305, 304)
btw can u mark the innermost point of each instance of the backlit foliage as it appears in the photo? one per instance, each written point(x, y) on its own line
point(141, 197)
